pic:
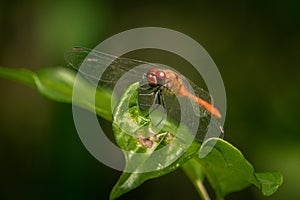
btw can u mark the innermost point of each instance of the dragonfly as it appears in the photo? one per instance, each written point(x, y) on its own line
point(170, 80)
point(158, 80)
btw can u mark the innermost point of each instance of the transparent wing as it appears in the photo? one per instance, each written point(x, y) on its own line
point(206, 119)
point(93, 65)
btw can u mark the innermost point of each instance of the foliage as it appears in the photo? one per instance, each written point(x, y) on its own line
point(224, 166)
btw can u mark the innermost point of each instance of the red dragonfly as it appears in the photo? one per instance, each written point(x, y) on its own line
point(170, 80)
point(158, 79)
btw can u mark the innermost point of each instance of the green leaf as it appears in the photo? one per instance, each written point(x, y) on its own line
point(149, 153)
point(224, 165)
point(21, 75)
point(269, 181)
point(228, 171)
point(57, 84)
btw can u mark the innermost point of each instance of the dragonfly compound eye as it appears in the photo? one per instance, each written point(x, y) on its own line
point(155, 76)
point(152, 80)
point(161, 77)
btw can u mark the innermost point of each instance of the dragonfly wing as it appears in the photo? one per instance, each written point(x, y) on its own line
point(207, 120)
point(93, 65)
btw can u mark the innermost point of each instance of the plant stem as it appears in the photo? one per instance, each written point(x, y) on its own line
point(195, 173)
point(201, 190)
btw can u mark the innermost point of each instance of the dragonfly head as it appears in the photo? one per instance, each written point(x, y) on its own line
point(156, 77)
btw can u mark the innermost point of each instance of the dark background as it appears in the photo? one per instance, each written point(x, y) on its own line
point(254, 44)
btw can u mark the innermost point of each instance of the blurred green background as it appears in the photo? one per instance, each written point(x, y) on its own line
point(254, 44)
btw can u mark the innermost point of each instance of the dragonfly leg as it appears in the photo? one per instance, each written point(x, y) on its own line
point(161, 101)
point(149, 94)
point(217, 125)
point(157, 101)
point(149, 91)
point(154, 101)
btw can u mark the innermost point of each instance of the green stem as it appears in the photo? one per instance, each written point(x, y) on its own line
point(201, 190)
point(196, 175)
